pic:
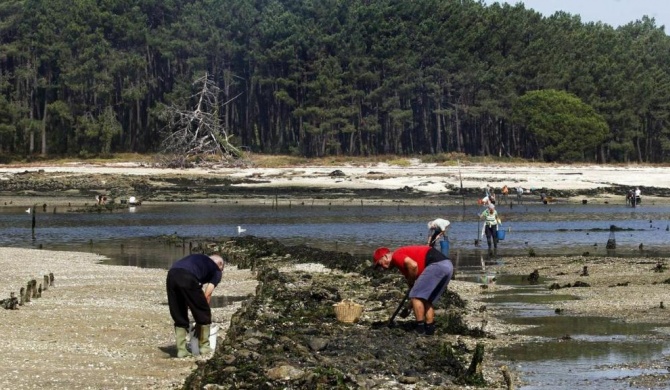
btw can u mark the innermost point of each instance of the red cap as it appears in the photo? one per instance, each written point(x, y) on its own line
point(379, 253)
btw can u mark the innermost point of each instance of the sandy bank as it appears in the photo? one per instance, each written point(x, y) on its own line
point(100, 327)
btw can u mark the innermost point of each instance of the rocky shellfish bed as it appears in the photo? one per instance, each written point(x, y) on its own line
point(287, 335)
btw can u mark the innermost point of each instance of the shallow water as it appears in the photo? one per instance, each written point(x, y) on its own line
point(573, 352)
point(129, 237)
point(564, 229)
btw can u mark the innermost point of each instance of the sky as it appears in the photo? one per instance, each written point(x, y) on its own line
point(613, 12)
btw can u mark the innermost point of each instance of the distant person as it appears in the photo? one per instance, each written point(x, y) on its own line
point(438, 229)
point(427, 272)
point(490, 194)
point(636, 198)
point(190, 283)
point(492, 220)
point(519, 194)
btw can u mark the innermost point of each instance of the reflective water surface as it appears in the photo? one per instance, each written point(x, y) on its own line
point(545, 229)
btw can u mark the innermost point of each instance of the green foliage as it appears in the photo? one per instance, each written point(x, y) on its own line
point(98, 133)
point(564, 128)
point(426, 77)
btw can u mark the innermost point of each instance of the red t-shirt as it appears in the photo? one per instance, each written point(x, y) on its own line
point(415, 252)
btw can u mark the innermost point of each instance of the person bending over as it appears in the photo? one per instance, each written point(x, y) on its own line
point(438, 231)
point(190, 283)
point(427, 272)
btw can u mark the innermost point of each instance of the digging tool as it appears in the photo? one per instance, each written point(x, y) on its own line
point(391, 322)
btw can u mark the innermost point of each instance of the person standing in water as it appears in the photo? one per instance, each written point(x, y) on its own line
point(491, 221)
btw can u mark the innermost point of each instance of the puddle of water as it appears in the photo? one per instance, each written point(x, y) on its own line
point(476, 276)
point(571, 350)
point(581, 353)
point(555, 375)
point(507, 297)
point(587, 328)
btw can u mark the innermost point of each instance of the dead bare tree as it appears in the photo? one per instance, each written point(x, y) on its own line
point(197, 132)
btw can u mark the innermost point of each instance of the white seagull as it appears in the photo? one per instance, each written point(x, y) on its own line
point(240, 230)
point(28, 211)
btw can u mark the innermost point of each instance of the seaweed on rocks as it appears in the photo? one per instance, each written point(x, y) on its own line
point(287, 335)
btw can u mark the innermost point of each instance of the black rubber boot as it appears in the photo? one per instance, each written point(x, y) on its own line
point(420, 328)
point(430, 329)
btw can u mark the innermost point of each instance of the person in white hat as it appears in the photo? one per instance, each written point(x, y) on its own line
point(492, 220)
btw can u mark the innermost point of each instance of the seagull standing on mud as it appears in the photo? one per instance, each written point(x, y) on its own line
point(240, 230)
point(28, 211)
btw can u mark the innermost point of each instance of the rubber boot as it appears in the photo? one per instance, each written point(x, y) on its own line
point(420, 328)
point(180, 334)
point(203, 340)
point(430, 329)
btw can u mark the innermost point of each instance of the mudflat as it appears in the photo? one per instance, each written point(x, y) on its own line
point(108, 327)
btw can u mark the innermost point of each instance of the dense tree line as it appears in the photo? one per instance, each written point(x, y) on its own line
point(324, 77)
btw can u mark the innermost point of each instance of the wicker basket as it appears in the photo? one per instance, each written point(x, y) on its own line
point(347, 311)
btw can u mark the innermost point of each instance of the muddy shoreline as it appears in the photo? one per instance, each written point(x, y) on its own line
point(288, 336)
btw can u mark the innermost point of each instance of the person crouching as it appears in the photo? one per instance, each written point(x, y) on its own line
point(427, 272)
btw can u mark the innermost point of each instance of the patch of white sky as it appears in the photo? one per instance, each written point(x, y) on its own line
point(616, 13)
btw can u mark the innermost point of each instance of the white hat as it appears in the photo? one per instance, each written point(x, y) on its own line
point(492, 206)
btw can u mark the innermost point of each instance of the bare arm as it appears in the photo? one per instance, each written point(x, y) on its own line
point(208, 289)
point(412, 270)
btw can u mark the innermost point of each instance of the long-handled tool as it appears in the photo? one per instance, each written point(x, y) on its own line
point(391, 322)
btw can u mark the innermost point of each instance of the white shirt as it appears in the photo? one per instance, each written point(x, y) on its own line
point(442, 224)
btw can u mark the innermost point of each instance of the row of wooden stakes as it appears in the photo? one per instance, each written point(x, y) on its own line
point(31, 291)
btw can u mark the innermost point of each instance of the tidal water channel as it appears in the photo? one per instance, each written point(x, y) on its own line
point(130, 238)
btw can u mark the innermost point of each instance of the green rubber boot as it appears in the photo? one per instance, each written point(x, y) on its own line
point(180, 334)
point(203, 339)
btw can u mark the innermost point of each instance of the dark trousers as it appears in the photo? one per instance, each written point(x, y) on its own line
point(491, 232)
point(184, 292)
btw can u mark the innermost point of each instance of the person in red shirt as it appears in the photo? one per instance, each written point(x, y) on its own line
point(427, 272)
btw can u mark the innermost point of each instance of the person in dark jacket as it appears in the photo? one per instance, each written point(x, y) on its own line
point(190, 283)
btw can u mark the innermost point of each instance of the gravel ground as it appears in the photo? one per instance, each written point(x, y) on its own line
point(108, 327)
point(628, 289)
point(98, 327)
